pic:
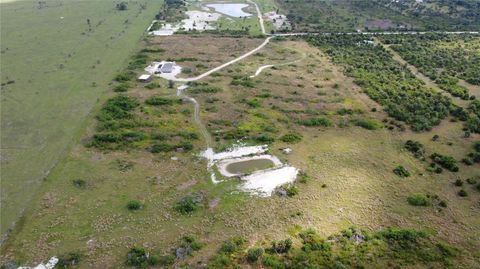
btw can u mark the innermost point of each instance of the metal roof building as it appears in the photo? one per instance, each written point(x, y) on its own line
point(167, 68)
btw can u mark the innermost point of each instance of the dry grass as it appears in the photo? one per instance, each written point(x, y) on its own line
point(354, 164)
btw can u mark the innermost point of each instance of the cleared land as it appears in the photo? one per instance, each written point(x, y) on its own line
point(57, 60)
point(349, 168)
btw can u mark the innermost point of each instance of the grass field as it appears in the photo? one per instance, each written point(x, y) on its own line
point(351, 179)
point(55, 67)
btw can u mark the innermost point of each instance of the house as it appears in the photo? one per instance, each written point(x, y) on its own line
point(167, 67)
point(144, 78)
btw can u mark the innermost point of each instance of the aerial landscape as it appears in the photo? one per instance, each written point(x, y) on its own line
point(280, 134)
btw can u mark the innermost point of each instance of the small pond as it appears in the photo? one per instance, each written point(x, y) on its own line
point(248, 166)
point(232, 10)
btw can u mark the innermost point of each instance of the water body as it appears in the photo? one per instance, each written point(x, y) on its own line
point(232, 10)
point(248, 166)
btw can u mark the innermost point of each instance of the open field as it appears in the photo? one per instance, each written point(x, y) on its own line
point(197, 54)
point(57, 60)
point(349, 168)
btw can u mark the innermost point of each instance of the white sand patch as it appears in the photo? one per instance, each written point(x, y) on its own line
point(197, 20)
point(222, 165)
point(279, 21)
point(240, 151)
point(153, 69)
point(264, 183)
point(49, 265)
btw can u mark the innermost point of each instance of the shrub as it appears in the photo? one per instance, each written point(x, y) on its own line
point(462, 193)
point(122, 77)
point(291, 138)
point(123, 87)
point(187, 205)
point(190, 241)
point(369, 124)
point(476, 146)
point(137, 257)
point(446, 162)
point(401, 171)
point(471, 181)
point(254, 254)
point(254, 103)
point(312, 122)
point(303, 177)
point(134, 205)
point(161, 147)
point(443, 203)
point(282, 246)
point(416, 148)
point(167, 260)
point(68, 260)
point(118, 107)
point(233, 245)
point(79, 183)
point(419, 200)
point(458, 183)
point(265, 138)
point(291, 190)
point(160, 101)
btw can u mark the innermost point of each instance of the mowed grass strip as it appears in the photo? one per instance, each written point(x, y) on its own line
point(57, 60)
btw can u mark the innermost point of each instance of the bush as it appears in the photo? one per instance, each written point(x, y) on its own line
point(160, 101)
point(312, 122)
point(79, 183)
point(118, 107)
point(419, 200)
point(187, 205)
point(122, 77)
point(190, 241)
point(291, 138)
point(123, 87)
point(369, 124)
point(254, 254)
point(446, 162)
point(139, 257)
point(476, 146)
point(282, 246)
point(232, 246)
point(161, 147)
point(265, 138)
point(68, 260)
point(442, 203)
point(471, 181)
point(458, 183)
point(134, 205)
point(462, 193)
point(167, 260)
point(416, 148)
point(291, 190)
point(401, 171)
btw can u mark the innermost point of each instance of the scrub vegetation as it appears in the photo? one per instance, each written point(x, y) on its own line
point(381, 15)
point(388, 170)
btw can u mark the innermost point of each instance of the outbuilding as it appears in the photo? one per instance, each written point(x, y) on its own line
point(144, 78)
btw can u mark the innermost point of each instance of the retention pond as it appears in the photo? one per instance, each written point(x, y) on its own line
point(248, 166)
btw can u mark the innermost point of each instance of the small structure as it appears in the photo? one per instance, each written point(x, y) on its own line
point(167, 67)
point(144, 78)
